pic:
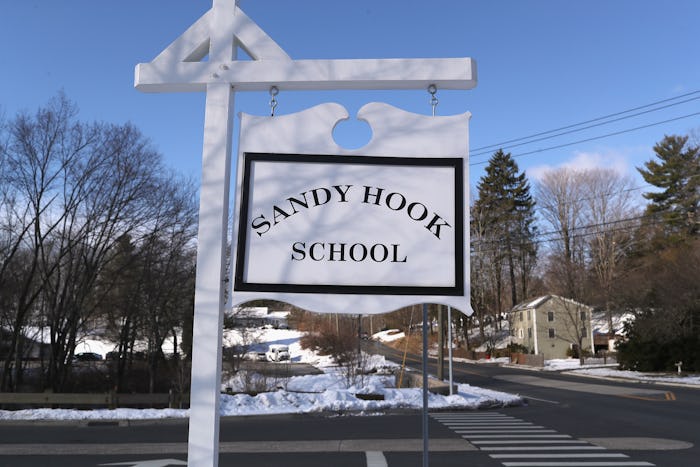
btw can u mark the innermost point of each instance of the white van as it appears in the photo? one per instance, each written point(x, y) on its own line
point(277, 353)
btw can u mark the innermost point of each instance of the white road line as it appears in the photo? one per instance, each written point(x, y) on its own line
point(498, 424)
point(539, 400)
point(513, 431)
point(375, 459)
point(531, 445)
point(568, 455)
point(531, 441)
point(516, 436)
point(500, 417)
point(576, 464)
point(541, 448)
point(487, 425)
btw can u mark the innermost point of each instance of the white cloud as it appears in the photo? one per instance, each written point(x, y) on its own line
point(616, 160)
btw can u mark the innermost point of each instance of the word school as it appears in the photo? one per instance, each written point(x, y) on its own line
point(395, 201)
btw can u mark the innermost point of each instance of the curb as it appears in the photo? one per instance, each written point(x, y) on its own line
point(621, 379)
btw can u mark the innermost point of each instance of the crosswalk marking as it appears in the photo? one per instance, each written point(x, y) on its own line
point(517, 443)
point(542, 448)
point(529, 441)
point(502, 432)
point(576, 464)
point(375, 459)
point(568, 455)
point(516, 436)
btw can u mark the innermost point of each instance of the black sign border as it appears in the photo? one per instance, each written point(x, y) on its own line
point(457, 163)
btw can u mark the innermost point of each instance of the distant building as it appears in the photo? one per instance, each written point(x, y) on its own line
point(259, 316)
point(605, 338)
point(552, 326)
point(30, 341)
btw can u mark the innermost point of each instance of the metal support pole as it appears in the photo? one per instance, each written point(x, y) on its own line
point(441, 345)
point(449, 343)
point(425, 385)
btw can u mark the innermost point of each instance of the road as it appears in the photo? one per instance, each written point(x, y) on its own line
point(567, 421)
point(658, 422)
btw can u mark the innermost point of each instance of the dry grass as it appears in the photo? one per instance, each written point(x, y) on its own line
point(415, 345)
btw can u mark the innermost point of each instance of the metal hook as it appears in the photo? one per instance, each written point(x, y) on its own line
point(273, 102)
point(432, 89)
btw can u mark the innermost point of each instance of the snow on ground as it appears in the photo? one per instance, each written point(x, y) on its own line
point(693, 380)
point(600, 325)
point(595, 368)
point(388, 335)
point(327, 392)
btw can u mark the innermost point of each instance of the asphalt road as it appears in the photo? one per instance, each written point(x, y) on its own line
point(566, 421)
point(657, 422)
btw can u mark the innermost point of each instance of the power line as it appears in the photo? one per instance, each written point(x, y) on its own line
point(494, 246)
point(573, 230)
point(587, 121)
point(587, 127)
point(652, 219)
point(594, 138)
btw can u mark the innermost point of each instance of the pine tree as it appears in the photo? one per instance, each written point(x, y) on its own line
point(677, 175)
point(507, 209)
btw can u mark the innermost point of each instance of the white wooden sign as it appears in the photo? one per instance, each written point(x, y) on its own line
point(356, 231)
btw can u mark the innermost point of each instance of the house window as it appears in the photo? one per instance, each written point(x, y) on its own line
point(551, 333)
point(528, 315)
point(550, 316)
point(520, 333)
point(521, 316)
point(583, 316)
point(529, 333)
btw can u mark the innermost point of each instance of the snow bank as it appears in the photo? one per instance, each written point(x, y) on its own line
point(388, 335)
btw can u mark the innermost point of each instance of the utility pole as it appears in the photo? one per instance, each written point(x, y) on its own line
point(441, 345)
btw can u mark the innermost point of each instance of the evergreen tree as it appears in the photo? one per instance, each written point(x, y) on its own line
point(507, 210)
point(677, 175)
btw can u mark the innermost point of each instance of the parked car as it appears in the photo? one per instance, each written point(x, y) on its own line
point(87, 357)
point(256, 356)
point(277, 353)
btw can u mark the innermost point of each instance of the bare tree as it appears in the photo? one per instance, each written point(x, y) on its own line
point(70, 192)
point(560, 195)
point(576, 330)
point(610, 215)
point(39, 151)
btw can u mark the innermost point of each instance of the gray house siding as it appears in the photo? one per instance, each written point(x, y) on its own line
point(551, 325)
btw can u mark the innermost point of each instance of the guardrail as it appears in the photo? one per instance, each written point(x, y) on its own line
point(110, 400)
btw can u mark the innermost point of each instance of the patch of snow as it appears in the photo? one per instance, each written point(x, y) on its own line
point(388, 335)
point(95, 346)
point(693, 380)
point(611, 371)
point(562, 364)
point(599, 322)
point(537, 301)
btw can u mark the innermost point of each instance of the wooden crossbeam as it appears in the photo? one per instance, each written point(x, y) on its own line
point(394, 74)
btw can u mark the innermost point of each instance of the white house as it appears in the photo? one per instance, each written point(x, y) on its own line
point(552, 326)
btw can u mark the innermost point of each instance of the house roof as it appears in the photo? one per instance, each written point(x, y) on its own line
point(258, 312)
point(534, 303)
point(531, 303)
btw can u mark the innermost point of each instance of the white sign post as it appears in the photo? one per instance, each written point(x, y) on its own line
point(180, 67)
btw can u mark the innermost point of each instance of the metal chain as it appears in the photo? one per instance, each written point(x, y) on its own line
point(273, 101)
point(432, 89)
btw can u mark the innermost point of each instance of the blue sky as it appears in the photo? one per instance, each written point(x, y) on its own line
point(542, 65)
